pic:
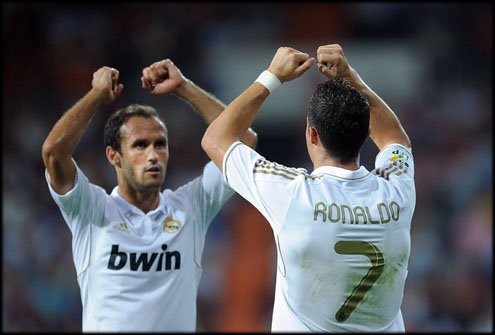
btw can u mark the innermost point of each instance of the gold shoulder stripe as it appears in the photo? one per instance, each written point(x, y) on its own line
point(285, 167)
point(393, 168)
point(274, 173)
point(391, 171)
point(285, 176)
point(266, 167)
point(279, 167)
point(403, 171)
point(382, 172)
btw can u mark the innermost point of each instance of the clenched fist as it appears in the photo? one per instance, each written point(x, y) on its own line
point(105, 83)
point(288, 63)
point(332, 62)
point(163, 77)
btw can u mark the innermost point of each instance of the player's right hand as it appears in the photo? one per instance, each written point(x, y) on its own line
point(288, 63)
point(105, 83)
point(332, 62)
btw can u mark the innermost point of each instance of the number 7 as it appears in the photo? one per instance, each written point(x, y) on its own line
point(377, 263)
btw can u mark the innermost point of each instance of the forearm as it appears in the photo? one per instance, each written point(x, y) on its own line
point(66, 134)
point(233, 122)
point(201, 101)
point(210, 108)
point(385, 125)
point(62, 141)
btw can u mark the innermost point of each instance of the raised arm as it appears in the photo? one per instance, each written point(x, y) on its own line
point(385, 126)
point(63, 138)
point(287, 64)
point(164, 77)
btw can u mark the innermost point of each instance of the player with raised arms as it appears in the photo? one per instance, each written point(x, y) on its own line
point(137, 251)
point(342, 232)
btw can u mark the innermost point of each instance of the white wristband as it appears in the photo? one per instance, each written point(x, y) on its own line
point(269, 80)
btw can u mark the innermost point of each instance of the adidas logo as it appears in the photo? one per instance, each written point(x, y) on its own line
point(122, 227)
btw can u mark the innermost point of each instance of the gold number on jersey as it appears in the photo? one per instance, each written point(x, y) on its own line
point(377, 263)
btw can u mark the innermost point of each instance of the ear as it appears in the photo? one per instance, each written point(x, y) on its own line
point(113, 156)
point(313, 136)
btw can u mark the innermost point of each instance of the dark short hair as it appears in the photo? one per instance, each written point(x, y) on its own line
point(112, 135)
point(341, 116)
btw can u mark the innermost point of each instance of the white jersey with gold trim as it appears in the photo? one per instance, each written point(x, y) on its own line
point(140, 272)
point(342, 236)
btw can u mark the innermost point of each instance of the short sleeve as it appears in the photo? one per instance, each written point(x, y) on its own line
point(395, 163)
point(207, 194)
point(395, 160)
point(268, 186)
point(81, 207)
point(202, 198)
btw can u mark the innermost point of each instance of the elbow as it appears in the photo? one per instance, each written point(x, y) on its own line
point(51, 153)
point(207, 143)
point(47, 151)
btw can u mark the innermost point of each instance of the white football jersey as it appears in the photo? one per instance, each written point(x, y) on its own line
point(342, 236)
point(140, 272)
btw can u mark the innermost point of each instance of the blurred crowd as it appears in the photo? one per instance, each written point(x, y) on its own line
point(50, 51)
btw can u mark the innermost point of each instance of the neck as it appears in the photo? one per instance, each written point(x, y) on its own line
point(145, 201)
point(325, 160)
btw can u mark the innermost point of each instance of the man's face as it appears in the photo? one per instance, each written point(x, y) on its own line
point(144, 158)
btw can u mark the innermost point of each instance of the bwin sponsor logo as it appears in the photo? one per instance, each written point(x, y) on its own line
point(118, 259)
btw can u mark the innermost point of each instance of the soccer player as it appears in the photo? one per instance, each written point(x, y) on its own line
point(342, 232)
point(137, 252)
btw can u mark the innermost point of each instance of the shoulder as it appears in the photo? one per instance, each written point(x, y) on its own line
point(172, 195)
point(272, 170)
point(239, 152)
point(182, 196)
point(394, 160)
point(394, 170)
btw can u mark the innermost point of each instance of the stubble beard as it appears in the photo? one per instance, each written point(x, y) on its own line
point(147, 184)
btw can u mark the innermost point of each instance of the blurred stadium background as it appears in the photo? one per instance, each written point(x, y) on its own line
point(431, 62)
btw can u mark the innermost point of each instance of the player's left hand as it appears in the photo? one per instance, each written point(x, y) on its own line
point(289, 63)
point(332, 62)
point(163, 77)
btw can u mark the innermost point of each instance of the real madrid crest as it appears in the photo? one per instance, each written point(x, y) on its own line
point(170, 225)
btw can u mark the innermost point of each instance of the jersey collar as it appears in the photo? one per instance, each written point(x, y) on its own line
point(131, 210)
point(341, 173)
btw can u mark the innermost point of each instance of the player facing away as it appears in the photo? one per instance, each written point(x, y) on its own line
point(137, 252)
point(342, 232)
